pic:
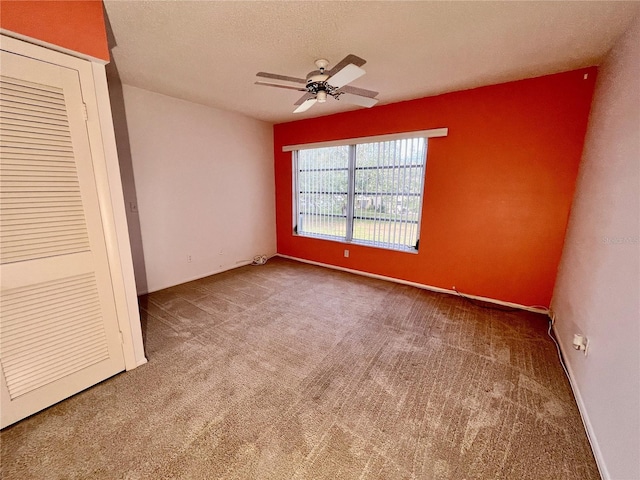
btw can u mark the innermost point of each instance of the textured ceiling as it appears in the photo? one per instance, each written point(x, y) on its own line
point(209, 51)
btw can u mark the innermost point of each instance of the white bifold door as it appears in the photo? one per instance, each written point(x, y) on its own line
point(58, 327)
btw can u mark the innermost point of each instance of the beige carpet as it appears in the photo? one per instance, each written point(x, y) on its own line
point(293, 371)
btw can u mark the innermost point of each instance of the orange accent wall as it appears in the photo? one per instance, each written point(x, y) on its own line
point(75, 25)
point(498, 188)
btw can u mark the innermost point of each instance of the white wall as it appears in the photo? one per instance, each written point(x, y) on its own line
point(204, 184)
point(598, 286)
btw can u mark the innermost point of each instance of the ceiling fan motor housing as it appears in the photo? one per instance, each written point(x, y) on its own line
point(317, 82)
point(315, 87)
point(317, 76)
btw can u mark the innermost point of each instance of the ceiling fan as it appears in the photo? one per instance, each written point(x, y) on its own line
point(322, 83)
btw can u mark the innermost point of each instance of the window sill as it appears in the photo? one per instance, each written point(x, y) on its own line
point(410, 250)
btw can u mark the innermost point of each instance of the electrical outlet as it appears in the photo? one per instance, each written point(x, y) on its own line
point(346, 253)
point(188, 258)
point(581, 343)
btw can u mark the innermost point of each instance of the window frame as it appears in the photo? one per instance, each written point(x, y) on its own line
point(352, 143)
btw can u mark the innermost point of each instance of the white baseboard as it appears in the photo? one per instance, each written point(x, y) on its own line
point(543, 310)
point(242, 263)
point(584, 415)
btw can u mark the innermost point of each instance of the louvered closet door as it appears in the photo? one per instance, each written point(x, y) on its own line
point(58, 325)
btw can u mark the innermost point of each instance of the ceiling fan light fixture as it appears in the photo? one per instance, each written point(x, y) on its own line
point(322, 96)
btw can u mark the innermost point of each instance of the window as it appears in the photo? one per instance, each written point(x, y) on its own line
point(368, 192)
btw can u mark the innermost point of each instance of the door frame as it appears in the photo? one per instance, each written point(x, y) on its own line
point(93, 82)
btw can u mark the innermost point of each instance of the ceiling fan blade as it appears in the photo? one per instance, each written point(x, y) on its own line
point(306, 105)
point(281, 77)
point(358, 100)
point(304, 98)
point(268, 84)
point(347, 75)
point(358, 91)
point(349, 59)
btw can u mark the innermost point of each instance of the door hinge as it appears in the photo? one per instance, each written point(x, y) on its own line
point(84, 112)
point(121, 338)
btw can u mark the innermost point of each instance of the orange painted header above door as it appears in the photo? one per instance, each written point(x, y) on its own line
point(73, 25)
